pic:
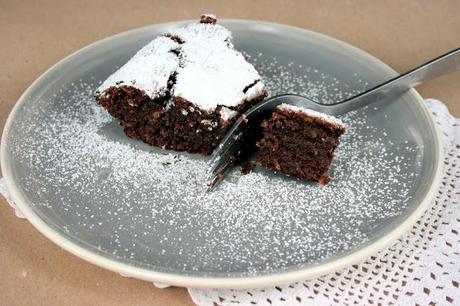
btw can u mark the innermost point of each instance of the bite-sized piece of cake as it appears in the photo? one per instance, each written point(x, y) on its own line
point(299, 142)
point(184, 89)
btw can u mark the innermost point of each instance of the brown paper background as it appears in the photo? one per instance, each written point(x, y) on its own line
point(36, 34)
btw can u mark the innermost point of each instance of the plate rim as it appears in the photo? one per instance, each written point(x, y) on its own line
point(217, 282)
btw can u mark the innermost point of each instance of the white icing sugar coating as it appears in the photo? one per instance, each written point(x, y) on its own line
point(227, 114)
point(312, 113)
point(208, 70)
point(148, 70)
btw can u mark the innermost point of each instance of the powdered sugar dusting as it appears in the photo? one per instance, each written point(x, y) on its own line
point(149, 207)
point(312, 113)
point(148, 70)
point(227, 114)
point(207, 70)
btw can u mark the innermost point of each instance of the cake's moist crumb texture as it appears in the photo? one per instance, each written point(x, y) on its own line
point(183, 90)
point(170, 123)
point(299, 143)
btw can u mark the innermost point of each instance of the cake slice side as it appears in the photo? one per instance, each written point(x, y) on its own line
point(299, 142)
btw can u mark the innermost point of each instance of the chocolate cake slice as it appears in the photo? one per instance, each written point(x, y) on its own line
point(184, 89)
point(299, 142)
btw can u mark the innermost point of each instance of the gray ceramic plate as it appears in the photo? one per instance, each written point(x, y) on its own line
point(144, 212)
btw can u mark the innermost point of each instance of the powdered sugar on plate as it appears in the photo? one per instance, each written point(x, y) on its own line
point(149, 207)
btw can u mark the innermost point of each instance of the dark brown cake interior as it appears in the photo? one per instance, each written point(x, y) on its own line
point(180, 127)
point(299, 145)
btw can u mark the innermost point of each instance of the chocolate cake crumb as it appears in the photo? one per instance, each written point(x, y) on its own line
point(299, 143)
point(208, 18)
point(167, 127)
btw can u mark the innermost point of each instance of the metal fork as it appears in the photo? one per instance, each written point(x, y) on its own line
point(236, 144)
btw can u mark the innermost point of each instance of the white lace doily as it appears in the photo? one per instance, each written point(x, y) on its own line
point(421, 268)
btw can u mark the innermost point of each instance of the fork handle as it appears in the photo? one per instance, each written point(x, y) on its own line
point(444, 64)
